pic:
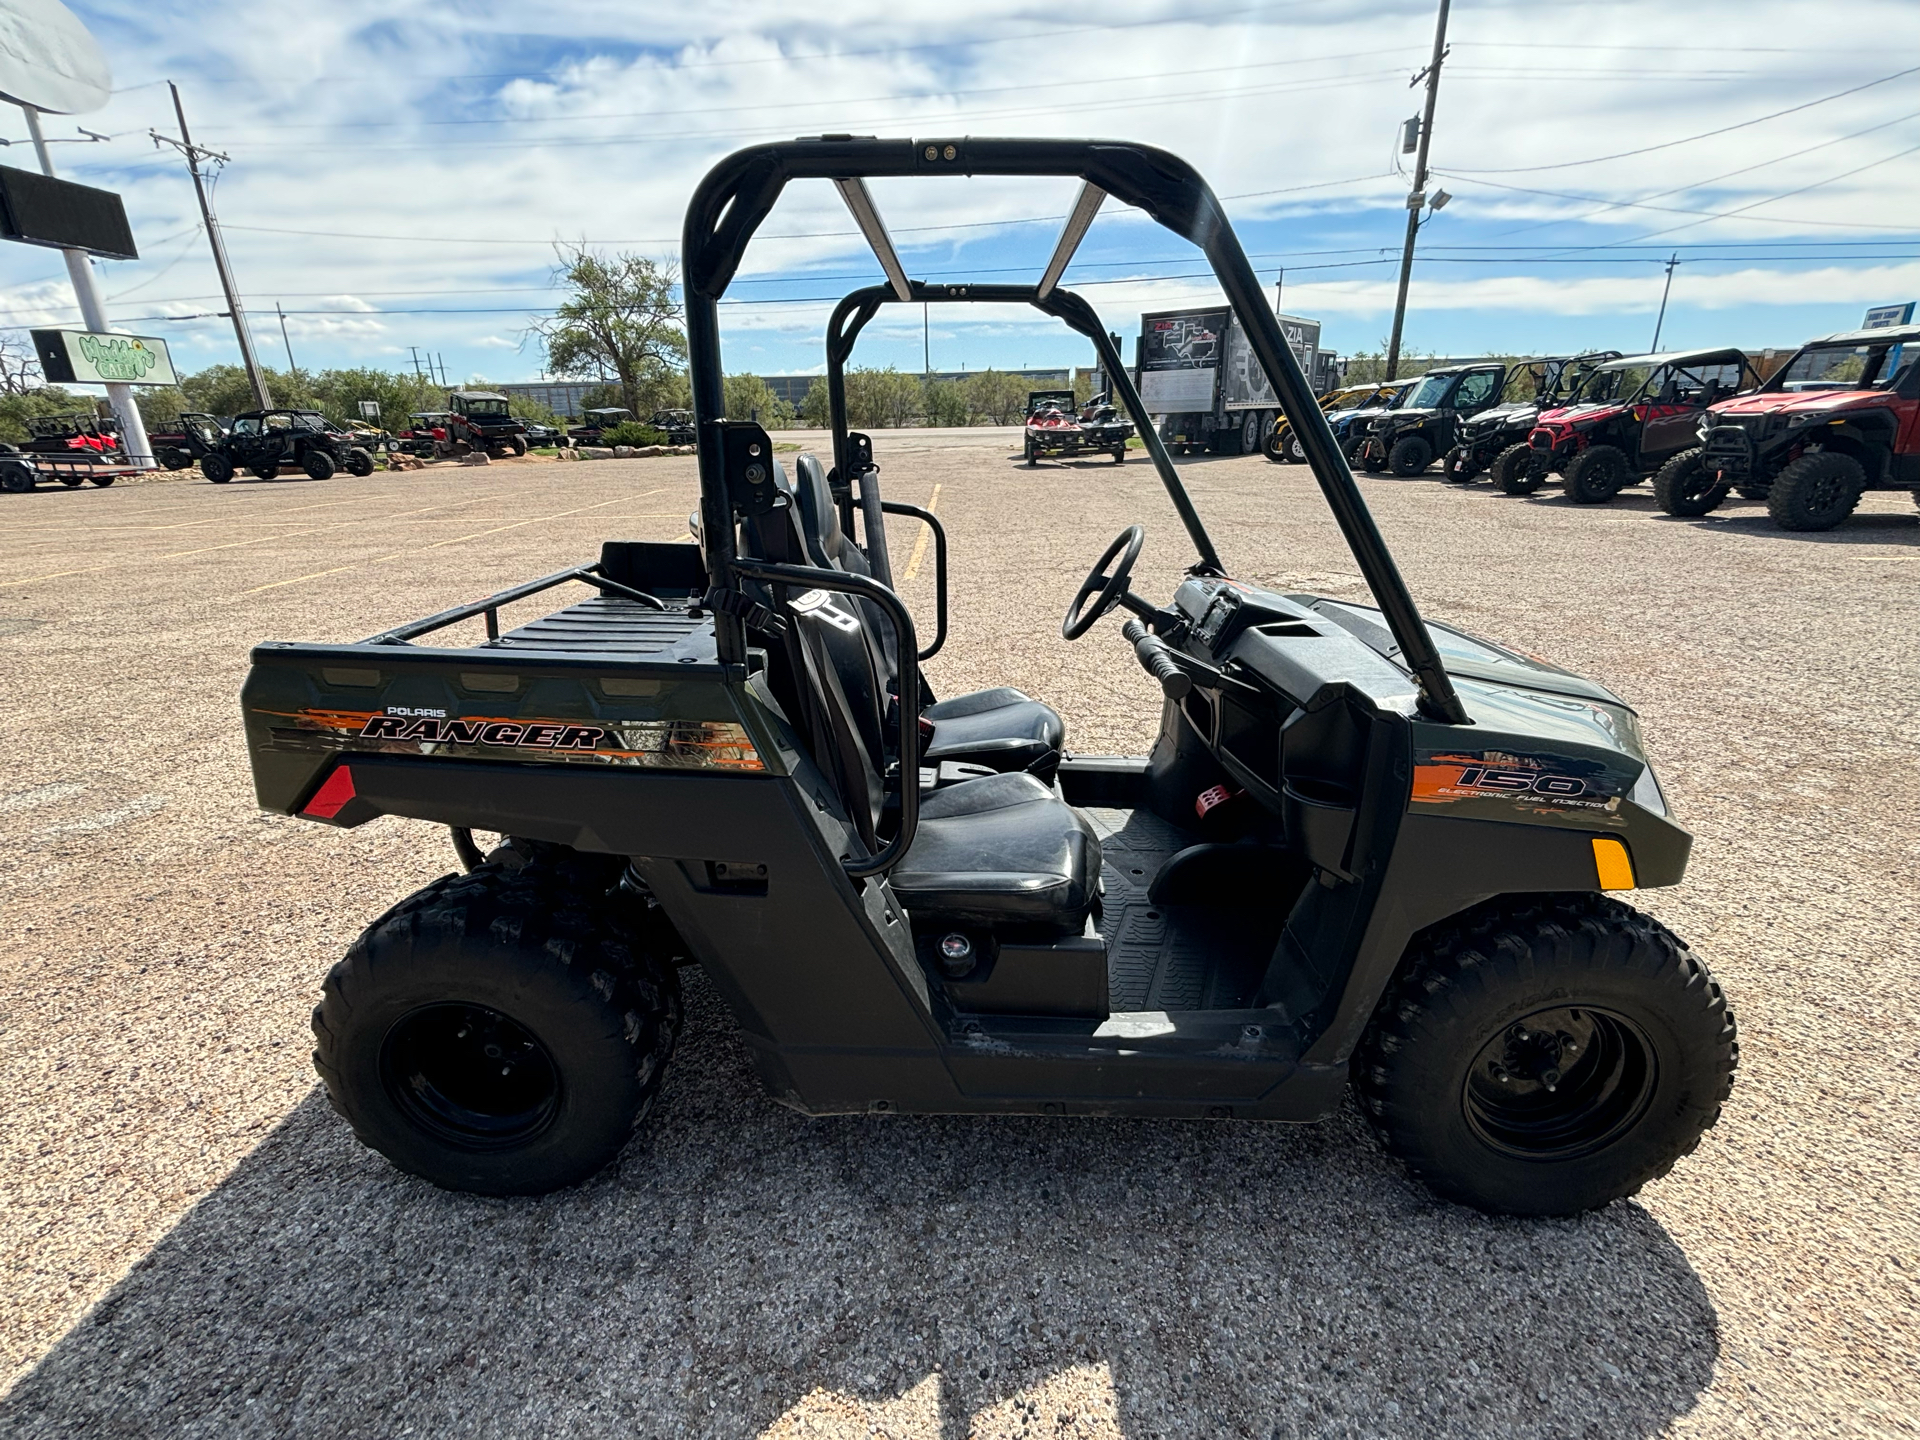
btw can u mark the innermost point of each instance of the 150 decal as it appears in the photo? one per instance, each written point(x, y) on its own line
point(1440, 779)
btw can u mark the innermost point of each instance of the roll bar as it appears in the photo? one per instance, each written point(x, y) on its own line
point(735, 196)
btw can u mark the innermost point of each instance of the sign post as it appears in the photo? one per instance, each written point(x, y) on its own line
point(49, 62)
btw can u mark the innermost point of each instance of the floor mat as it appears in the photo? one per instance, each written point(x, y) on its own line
point(1169, 957)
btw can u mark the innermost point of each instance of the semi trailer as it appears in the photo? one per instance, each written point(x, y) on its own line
point(1202, 384)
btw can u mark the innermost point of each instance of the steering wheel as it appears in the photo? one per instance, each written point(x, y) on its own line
point(1103, 589)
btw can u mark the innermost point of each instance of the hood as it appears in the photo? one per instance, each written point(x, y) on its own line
point(1516, 413)
point(1572, 416)
point(1508, 690)
point(1803, 402)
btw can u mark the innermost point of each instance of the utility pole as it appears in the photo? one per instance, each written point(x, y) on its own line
point(93, 310)
point(926, 346)
point(255, 376)
point(416, 362)
point(1417, 199)
point(1660, 324)
point(293, 370)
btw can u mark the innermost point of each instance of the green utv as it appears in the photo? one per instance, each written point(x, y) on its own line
point(1364, 850)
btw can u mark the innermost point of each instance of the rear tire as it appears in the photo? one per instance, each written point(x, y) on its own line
point(176, 459)
point(1458, 468)
point(509, 968)
point(1512, 470)
point(1816, 492)
point(217, 468)
point(1579, 993)
point(1119, 454)
point(264, 472)
point(319, 465)
point(1685, 487)
point(1250, 432)
point(1595, 475)
point(73, 482)
point(1410, 455)
point(102, 481)
point(16, 477)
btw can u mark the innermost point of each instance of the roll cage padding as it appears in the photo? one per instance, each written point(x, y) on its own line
point(736, 195)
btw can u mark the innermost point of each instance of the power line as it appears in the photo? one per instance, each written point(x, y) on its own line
point(1689, 139)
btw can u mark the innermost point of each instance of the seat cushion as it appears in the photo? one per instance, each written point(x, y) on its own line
point(1000, 850)
point(1000, 728)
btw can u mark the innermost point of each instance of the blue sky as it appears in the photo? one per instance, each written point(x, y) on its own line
point(401, 172)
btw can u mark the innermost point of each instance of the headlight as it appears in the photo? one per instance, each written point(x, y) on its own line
point(1646, 793)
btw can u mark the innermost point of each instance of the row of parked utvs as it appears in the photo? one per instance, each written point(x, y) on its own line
point(1366, 851)
point(1839, 418)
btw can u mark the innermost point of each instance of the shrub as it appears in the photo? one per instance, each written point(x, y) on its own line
point(632, 432)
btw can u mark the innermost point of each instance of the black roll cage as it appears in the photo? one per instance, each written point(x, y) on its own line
point(738, 193)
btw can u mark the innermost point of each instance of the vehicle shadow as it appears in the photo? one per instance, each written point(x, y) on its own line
point(1232, 1278)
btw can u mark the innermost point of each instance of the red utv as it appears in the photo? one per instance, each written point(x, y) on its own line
point(1631, 416)
point(1840, 418)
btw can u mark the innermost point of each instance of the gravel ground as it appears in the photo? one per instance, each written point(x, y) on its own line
point(194, 1245)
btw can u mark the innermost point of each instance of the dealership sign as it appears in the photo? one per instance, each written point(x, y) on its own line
point(78, 357)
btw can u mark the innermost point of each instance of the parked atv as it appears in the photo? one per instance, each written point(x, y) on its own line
point(191, 435)
point(429, 435)
point(1351, 427)
point(676, 425)
point(598, 422)
point(1365, 850)
point(263, 442)
point(1282, 445)
point(1840, 418)
point(1496, 439)
point(1629, 419)
point(1407, 439)
point(482, 421)
point(81, 435)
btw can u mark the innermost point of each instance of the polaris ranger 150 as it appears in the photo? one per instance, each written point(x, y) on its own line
point(1406, 439)
point(1840, 418)
point(1364, 849)
point(1496, 439)
point(1631, 416)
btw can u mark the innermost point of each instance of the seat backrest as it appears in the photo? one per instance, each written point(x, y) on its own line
point(831, 547)
point(832, 661)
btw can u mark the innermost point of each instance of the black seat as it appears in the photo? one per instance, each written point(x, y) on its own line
point(1001, 728)
point(1002, 850)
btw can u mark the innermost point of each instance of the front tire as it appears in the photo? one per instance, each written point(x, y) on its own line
point(496, 1032)
point(359, 462)
point(217, 468)
point(1684, 485)
point(1512, 470)
point(1595, 475)
point(1545, 1057)
point(517, 445)
point(1816, 492)
point(1410, 455)
point(264, 472)
point(319, 465)
point(1458, 468)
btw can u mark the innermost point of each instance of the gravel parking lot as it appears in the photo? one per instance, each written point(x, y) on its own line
point(194, 1245)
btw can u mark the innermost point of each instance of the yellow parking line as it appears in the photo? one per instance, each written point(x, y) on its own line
point(926, 533)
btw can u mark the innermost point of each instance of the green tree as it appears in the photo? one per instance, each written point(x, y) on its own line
point(1001, 397)
point(882, 399)
point(948, 403)
point(817, 409)
point(620, 323)
point(47, 400)
point(748, 397)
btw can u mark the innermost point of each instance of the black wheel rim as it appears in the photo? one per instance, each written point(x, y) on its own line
point(471, 1076)
point(1560, 1084)
point(1826, 494)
